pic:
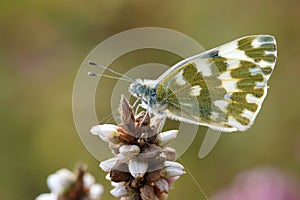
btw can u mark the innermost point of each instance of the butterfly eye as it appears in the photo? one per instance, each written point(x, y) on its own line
point(152, 93)
point(140, 90)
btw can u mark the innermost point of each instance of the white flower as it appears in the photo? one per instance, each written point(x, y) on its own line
point(88, 180)
point(137, 168)
point(142, 166)
point(107, 177)
point(173, 164)
point(115, 184)
point(119, 191)
point(170, 153)
point(163, 139)
point(48, 196)
point(61, 181)
point(96, 190)
point(106, 131)
point(106, 165)
point(173, 169)
point(129, 150)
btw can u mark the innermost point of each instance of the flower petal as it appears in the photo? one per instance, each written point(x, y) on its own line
point(60, 181)
point(173, 169)
point(119, 191)
point(108, 164)
point(173, 164)
point(170, 153)
point(104, 131)
point(129, 150)
point(96, 190)
point(137, 168)
point(163, 139)
point(48, 196)
point(88, 180)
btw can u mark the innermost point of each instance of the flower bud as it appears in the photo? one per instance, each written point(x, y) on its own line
point(162, 185)
point(48, 196)
point(96, 190)
point(108, 164)
point(119, 191)
point(88, 180)
point(163, 139)
point(60, 181)
point(137, 168)
point(106, 132)
point(129, 150)
point(170, 153)
point(173, 169)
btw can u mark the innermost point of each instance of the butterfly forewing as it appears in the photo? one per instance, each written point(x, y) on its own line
point(222, 88)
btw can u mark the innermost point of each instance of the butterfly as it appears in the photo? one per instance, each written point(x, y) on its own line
point(222, 88)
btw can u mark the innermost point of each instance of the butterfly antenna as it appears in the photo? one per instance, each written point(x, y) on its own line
point(112, 77)
point(106, 68)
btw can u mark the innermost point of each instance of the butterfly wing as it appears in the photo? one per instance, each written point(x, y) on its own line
point(222, 88)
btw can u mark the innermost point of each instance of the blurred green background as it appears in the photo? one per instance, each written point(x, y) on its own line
point(44, 42)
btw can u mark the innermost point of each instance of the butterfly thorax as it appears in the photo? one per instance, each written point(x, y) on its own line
point(145, 90)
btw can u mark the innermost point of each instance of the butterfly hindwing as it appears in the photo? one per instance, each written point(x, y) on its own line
point(222, 88)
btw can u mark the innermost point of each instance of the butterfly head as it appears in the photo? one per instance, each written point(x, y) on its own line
point(138, 89)
point(144, 90)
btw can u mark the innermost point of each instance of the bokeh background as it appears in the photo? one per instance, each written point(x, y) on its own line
point(44, 42)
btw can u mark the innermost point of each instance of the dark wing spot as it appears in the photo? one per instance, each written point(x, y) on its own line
point(214, 54)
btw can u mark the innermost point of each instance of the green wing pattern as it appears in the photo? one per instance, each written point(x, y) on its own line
point(222, 88)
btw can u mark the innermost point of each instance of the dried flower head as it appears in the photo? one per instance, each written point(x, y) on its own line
point(66, 185)
point(143, 166)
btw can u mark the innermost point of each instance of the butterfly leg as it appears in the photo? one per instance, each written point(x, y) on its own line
point(147, 112)
point(137, 109)
point(162, 123)
point(134, 104)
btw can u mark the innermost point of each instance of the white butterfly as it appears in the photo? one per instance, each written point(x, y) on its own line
point(222, 88)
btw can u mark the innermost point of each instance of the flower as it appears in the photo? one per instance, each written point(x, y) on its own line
point(263, 183)
point(143, 167)
point(48, 196)
point(173, 169)
point(163, 139)
point(60, 181)
point(65, 184)
point(106, 131)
